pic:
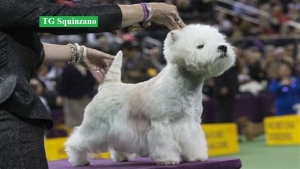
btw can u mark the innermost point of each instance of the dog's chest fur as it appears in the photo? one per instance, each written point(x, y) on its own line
point(171, 96)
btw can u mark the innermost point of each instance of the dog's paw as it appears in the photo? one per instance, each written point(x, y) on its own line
point(167, 162)
point(87, 164)
point(204, 157)
point(77, 164)
point(195, 160)
point(122, 157)
point(80, 162)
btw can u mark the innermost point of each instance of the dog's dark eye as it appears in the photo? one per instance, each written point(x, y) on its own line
point(200, 46)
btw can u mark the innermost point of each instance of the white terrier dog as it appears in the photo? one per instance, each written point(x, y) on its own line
point(159, 118)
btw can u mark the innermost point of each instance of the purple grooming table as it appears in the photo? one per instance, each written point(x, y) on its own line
point(145, 163)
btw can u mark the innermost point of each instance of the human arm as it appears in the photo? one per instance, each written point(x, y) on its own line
point(16, 14)
point(25, 14)
point(164, 14)
point(95, 60)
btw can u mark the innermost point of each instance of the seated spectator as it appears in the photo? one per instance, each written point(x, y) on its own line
point(224, 24)
point(254, 64)
point(272, 62)
point(286, 89)
point(155, 55)
point(136, 68)
point(105, 42)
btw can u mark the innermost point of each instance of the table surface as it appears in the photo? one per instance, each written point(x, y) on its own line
point(145, 163)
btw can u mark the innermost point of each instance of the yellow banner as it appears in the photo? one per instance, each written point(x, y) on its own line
point(282, 130)
point(222, 139)
point(55, 149)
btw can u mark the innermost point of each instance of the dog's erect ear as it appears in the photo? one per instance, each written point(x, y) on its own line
point(174, 35)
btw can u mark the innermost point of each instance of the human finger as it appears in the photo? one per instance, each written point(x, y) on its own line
point(180, 23)
point(177, 18)
point(168, 25)
point(97, 56)
point(106, 69)
point(173, 24)
point(102, 71)
point(86, 62)
point(101, 76)
point(97, 76)
point(107, 56)
point(104, 64)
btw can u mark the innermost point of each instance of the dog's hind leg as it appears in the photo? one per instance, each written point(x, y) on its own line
point(118, 156)
point(76, 149)
point(85, 140)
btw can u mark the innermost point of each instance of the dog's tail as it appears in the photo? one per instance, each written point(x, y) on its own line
point(114, 72)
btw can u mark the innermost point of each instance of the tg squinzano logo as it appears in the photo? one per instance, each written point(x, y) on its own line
point(68, 21)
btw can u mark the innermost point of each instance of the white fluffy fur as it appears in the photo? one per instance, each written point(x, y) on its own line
point(159, 118)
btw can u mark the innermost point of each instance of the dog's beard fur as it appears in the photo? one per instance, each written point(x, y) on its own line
point(159, 118)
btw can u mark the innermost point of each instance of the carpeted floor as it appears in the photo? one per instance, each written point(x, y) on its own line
point(258, 155)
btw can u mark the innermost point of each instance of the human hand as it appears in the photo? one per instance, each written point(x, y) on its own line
point(96, 63)
point(167, 15)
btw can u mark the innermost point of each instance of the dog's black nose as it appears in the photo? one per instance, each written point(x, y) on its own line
point(223, 48)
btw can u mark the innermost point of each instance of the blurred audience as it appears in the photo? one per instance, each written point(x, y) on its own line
point(136, 67)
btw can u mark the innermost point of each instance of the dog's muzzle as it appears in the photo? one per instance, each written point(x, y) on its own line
point(223, 50)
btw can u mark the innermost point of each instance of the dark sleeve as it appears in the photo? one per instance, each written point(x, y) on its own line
point(25, 14)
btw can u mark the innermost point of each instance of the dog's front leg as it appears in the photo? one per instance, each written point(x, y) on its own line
point(163, 148)
point(193, 145)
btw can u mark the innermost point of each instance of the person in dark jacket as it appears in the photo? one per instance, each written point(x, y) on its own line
point(22, 114)
point(77, 90)
point(226, 90)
